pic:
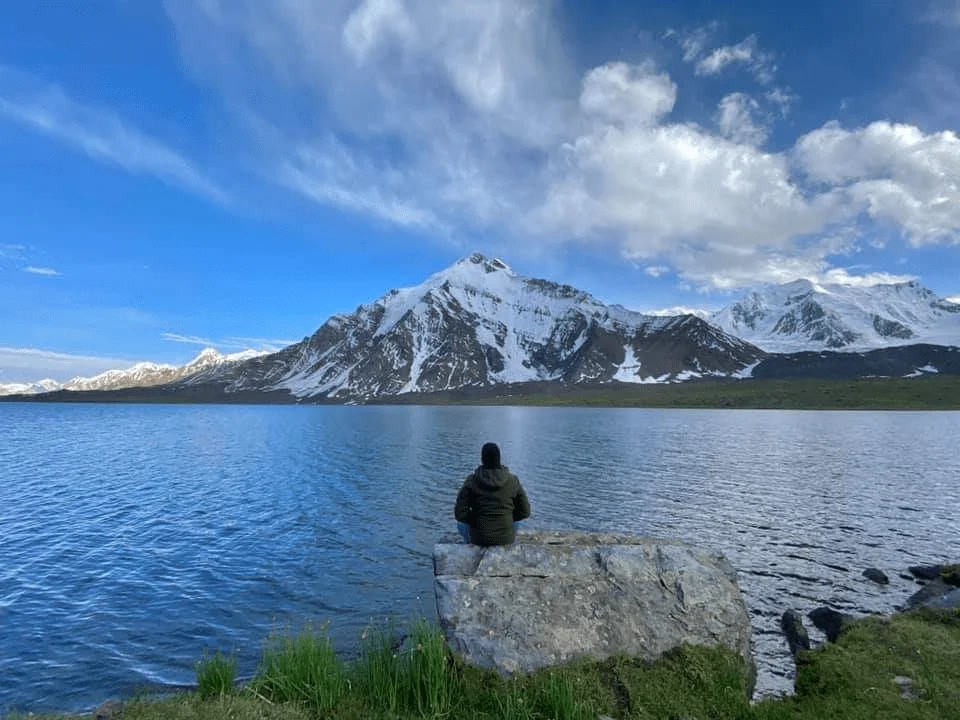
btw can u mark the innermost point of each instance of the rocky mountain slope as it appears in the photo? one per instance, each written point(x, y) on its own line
point(477, 326)
point(144, 374)
point(478, 323)
point(804, 316)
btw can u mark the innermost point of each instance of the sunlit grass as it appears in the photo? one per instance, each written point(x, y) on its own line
point(412, 675)
point(216, 675)
point(301, 669)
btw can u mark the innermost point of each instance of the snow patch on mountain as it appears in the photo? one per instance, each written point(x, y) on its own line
point(803, 315)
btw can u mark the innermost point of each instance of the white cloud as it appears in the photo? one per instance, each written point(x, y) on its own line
point(231, 343)
point(953, 299)
point(695, 41)
point(34, 270)
point(374, 22)
point(656, 271)
point(894, 173)
point(624, 94)
point(31, 364)
point(782, 99)
point(746, 53)
point(98, 133)
point(459, 118)
point(840, 276)
point(331, 175)
point(735, 119)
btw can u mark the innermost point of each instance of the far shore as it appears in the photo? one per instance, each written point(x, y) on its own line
point(933, 392)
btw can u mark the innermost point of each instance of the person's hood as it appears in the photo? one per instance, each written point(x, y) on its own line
point(491, 478)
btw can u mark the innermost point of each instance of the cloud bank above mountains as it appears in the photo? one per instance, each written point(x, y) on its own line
point(458, 116)
point(465, 119)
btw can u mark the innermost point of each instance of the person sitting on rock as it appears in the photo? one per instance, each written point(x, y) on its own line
point(491, 502)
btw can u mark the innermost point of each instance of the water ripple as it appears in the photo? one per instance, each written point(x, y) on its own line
point(135, 537)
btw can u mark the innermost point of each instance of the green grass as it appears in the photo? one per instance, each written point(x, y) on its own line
point(301, 669)
point(413, 677)
point(216, 675)
point(925, 393)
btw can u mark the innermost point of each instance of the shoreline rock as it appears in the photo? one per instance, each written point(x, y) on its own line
point(553, 597)
point(797, 636)
point(830, 622)
point(877, 576)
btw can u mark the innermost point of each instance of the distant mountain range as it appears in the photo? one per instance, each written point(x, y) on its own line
point(479, 325)
point(144, 374)
point(803, 316)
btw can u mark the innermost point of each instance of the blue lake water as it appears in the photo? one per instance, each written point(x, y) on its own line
point(132, 538)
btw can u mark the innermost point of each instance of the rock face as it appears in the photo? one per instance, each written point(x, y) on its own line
point(553, 597)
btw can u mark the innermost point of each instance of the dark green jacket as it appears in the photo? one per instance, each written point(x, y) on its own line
point(490, 501)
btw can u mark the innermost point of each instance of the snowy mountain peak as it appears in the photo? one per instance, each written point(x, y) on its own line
point(803, 315)
point(488, 264)
point(206, 355)
point(478, 323)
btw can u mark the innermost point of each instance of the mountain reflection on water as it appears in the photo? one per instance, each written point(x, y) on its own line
point(134, 537)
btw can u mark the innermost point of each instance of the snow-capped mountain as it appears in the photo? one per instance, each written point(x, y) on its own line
point(802, 315)
point(144, 374)
point(680, 310)
point(34, 388)
point(478, 323)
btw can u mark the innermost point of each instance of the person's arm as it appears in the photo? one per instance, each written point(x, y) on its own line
point(521, 505)
point(461, 510)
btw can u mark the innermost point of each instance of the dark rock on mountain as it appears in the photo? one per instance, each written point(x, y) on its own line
point(903, 361)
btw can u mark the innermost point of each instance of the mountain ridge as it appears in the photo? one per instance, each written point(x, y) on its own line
point(478, 324)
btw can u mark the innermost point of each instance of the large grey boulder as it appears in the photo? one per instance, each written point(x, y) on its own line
point(553, 597)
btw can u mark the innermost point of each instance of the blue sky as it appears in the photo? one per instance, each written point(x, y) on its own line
point(232, 172)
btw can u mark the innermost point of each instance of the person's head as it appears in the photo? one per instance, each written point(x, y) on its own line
point(490, 455)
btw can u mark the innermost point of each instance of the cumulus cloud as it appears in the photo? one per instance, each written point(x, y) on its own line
point(98, 133)
point(735, 119)
point(623, 94)
point(461, 117)
point(892, 172)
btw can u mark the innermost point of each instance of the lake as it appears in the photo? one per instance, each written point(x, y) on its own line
point(132, 538)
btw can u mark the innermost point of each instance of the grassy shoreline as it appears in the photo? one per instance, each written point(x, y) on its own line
point(907, 666)
point(927, 393)
point(936, 392)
